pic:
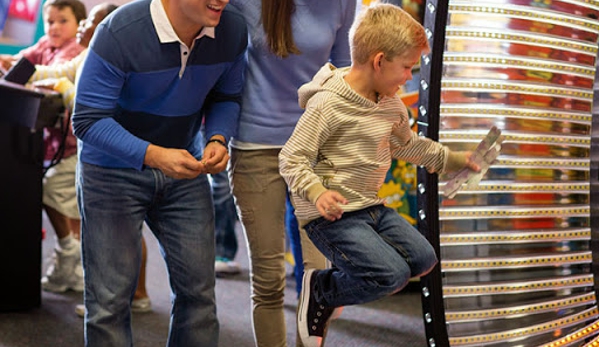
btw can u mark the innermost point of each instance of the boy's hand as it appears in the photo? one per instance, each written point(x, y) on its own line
point(471, 164)
point(486, 153)
point(328, 205)
point(459, 160)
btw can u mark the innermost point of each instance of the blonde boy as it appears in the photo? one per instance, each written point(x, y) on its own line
point(336, 160)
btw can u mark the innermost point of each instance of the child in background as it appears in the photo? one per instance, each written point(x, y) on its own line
point(337, 158)
point(61, 19)
point(62, 78)
point(59, 45)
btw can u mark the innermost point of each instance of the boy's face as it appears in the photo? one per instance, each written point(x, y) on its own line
point(395, 73)
point(60, 25)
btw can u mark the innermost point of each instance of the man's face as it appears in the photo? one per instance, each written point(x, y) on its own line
point(202, 12)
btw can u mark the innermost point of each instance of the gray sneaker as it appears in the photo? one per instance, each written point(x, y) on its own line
point(224, 267)
point(66, 272)
point(141, 305)
point(80, 310)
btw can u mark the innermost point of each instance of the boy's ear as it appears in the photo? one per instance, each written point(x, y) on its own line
point(377, 60)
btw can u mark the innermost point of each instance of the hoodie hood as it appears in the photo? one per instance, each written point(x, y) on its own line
point(330, 79)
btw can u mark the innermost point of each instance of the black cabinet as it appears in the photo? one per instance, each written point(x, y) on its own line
point(21, 157)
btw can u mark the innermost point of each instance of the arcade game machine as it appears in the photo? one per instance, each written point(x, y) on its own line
point(21, 148)
point(518, 252)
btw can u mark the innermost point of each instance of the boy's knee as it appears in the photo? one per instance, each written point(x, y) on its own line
point(423, 262)
point(393, 280)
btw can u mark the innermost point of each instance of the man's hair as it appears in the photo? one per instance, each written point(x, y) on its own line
point(276, 21)
point(385, 28)
point(76, 6)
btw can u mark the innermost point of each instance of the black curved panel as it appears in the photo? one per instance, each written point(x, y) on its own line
point(516, 251)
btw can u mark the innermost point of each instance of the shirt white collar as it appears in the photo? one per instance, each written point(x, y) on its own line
point(163, 26)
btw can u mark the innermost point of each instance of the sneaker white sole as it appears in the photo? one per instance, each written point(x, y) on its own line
point(80, 310)
point(49, 287)
point(141, 305)
point(137, 306)
point(54, 288)
point(302, 313)
point(224, 268)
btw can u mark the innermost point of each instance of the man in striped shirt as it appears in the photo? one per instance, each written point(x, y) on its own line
point(336, 161)
point(154, 72)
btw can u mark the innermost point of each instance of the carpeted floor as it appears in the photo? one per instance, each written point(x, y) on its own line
point(392, 322)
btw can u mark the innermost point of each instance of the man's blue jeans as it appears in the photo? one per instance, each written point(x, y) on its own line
point(114, 203)
point(374, 251)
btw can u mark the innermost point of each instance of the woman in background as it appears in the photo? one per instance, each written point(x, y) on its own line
point(289, 41)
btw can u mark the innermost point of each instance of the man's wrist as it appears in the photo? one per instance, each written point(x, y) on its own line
point(217, 140)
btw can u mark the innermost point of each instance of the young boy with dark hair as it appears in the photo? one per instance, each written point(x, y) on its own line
point(336, 160)
point(58, 45)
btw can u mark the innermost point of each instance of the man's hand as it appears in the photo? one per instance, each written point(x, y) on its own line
point(175, 163)
point(216, 156)
point(328, 205)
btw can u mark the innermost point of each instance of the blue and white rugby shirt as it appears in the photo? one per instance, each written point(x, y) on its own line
point(140, 84)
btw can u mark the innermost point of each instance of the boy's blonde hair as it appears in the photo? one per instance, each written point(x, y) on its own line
point(385, 28)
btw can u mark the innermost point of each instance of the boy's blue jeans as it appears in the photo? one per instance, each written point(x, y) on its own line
point(375, 252)
point(114, 204)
